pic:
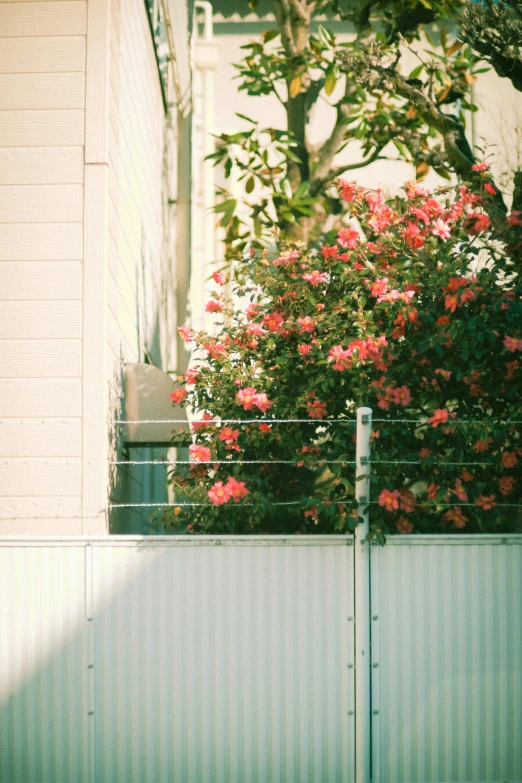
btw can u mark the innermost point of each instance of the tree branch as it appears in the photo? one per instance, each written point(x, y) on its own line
point(456, 146)
point(282, 15)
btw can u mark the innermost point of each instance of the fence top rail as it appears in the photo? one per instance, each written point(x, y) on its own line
point(427, 539)
point(181, 540)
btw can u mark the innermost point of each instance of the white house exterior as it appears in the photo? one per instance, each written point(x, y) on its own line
point(94, 226)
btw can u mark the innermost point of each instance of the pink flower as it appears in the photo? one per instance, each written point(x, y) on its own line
point(459, 491)
point(247, 397)
point(304, 349)
point(480, 167)
point(178, 395)
point(401, 396)
point(341, 358)
point(347, 237)
point(262, 402)
point(213, 307)
point(184, 331)
point(219, 494)
point(218, 278)
point(349, 190)
point(315, 277)
point(374, 199)
point(486, 502)
point(199, 453)
point(513, 343)
point(236, 489)
point(380, 287)
point(389, 500)
point(191, 376)
point(228, 435)
point(407, 500)
point(440, 416)
point(256, 329)
point(441, 229)
point(482, 223)
point(273, 321)
point(286, 258)
point(306, 324)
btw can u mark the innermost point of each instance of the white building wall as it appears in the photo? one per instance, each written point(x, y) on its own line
point(42, 118)
point(87, 156)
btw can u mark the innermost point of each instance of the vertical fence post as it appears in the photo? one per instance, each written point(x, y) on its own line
point(362, 600)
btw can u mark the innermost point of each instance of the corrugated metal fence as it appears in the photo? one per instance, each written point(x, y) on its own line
point(231, 660)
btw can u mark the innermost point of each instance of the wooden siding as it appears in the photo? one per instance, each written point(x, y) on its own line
point(42, 119)
point(137, 227)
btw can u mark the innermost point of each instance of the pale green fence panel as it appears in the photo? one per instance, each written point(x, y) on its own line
point(447, 659)
point(224, 661)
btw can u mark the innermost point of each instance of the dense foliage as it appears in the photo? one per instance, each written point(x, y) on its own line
point(413, 308)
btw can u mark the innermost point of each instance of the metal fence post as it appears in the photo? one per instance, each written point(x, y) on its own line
point(362, 600)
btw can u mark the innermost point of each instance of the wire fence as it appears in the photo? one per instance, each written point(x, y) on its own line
point(300, 460)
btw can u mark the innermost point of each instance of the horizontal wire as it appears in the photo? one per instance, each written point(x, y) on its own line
point(205, 423)
point(433, 465)
point(449, 423)
point(451, 505)
point(64, 461)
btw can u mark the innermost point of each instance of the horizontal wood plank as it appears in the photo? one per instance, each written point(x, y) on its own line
point(42, 91)
point(41, 203)
point(54, 478)
point(40, 280)
point(41, 165)
point(42, 128)
point(41, 241)
point(40, 397)
point(40, 358)
point(52, 439)
point(40, 320)
point(45, 18)
point(52, 54)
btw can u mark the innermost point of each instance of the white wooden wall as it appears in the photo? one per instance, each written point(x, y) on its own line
point(85, 249)
point(42, 118)
point(141, 325)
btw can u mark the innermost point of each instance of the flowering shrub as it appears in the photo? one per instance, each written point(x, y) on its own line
point(413, 309)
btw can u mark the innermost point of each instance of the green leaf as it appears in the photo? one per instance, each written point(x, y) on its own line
point(250, 184)
point(244, 117)
point(269, 35)
point(331, 80)
point(416, 71)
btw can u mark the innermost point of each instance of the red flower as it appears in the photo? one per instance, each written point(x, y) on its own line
point(304, 349)
point(316, 409)
point(440, 416)
point(389, 500)
point(456, 516)
point(329, 251)
point(228, 435)
point(265, 428)
point(513, 343)
point(178, 395)
point(480, 166)
point(432, 491)
point(273, 321)
point(509, 459)
point(404, 526)
point(486, 502)
point(218, 278)
point(506, 484)
point(407, 500)
point(213, 307)
point(482, 445)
